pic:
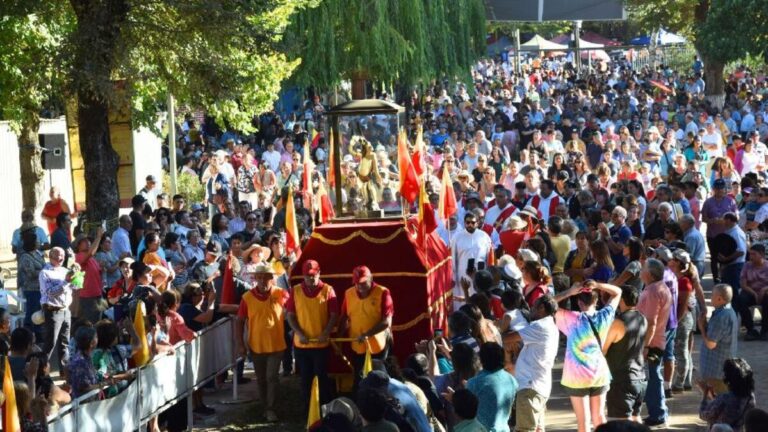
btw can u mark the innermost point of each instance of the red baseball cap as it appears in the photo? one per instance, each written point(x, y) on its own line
point(361, 274)
point(310, 268)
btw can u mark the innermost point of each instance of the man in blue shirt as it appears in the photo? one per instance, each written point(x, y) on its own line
point(617, 237)
point(719, 339)
point(438, 139)
point(495, 389)
point(694, 240)
point(733, 263)
point(379, 379)
point(28, 223)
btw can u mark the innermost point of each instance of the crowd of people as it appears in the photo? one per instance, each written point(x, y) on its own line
point(586, 207)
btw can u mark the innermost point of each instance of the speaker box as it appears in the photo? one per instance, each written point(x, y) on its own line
point(53, 156)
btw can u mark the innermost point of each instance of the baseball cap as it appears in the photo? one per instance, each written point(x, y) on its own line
point(663, 253)
point(127, 260)
point(361, 274)
point(528, 255)
point(719, 184)
point(197, 207)
point(474, 196)
point(151, 178)
point(310, 268)
point(746, 190)
point(213, 247)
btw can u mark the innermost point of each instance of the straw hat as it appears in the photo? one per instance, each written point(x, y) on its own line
point(262, 251)
point(262, 268)
point(516, 223)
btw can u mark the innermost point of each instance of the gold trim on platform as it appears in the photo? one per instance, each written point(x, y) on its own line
point(358, 233)
point(425, 315)
point(383, 274)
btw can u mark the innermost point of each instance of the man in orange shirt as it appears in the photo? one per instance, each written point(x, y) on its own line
point(263, 309)
point(367, 314)
point(313, 310)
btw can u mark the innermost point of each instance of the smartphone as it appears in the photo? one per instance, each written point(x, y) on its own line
point(438, 333)
point(470, 266)
point(481, 265)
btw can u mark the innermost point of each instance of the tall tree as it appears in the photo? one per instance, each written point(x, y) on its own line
point(406, 41)
point(28, 78)
point(722, 31)
point(217, 54)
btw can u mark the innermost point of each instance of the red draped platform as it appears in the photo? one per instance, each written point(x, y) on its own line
point(419, 278)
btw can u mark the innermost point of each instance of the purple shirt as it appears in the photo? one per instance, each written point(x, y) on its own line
point(671, 281)
point(716, 208)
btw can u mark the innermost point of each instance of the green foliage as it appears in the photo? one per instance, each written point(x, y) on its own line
point(546, 30)
point(187, 185)
point(722, 30)
point(29, 74)
point(385, 40)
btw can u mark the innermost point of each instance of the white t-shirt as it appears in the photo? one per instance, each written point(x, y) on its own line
point(466, 246)
point(537, 358)
point(517, 321)
point(713, 139)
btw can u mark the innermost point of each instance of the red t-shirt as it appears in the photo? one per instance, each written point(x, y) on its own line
point(497, 308)
point(534, 294)
point(684, 284)
point(92, 283)
point(118, 289)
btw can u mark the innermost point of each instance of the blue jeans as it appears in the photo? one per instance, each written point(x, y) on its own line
point(654, 394)
point(730, 275)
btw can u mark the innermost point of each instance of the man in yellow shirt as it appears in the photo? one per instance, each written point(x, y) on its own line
point(262, 308)
point(366, 314)
point(313, 310)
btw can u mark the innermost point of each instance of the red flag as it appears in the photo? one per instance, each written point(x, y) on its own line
point(306, 176)
point(448, 206)
point(427, 222)
point(324, 206)
point(419, 153)
point(228, 284)
point(409, 180)
point(292, 240)
point(331, 166)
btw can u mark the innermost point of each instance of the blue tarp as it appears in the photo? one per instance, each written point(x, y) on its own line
point(665, 38)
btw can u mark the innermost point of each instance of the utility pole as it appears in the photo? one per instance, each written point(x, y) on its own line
point(577, 45)
point(172, 143)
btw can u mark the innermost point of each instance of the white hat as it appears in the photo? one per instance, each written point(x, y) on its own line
point(516, 223)
point(528, 255)
point(38, 318)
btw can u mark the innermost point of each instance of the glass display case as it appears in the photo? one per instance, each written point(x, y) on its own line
point(363, 158)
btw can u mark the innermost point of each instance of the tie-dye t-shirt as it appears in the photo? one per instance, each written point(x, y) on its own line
point(585, 365)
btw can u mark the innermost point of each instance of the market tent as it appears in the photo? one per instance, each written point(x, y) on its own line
point(500, 45)
point(538, 43)
point(565, 39)
point(664, 38)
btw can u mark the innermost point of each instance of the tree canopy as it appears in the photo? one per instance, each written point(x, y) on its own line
point(403, 41)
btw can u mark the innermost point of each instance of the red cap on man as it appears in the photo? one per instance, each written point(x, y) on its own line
point(361, 274)
point(310, 268)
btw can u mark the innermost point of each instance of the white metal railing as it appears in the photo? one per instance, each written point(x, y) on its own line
point(158, 385)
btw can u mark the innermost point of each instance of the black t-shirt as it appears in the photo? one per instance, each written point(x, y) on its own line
point(138, 224)
point(189, 312)
point(525, 140)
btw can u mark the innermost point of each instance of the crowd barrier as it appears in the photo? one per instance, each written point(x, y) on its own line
point(158, 385)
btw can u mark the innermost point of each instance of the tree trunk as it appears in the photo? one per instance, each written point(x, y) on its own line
point(100, 160)
point(31, 164)
point(714, 91)
point(97, 37)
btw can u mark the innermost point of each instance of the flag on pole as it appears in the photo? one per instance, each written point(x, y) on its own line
point(314, 404)
point(409, 180)
point(292, 241)
point(447, 206)
point(419, 153)
point(427, 222)
point(228, 283)
point(324, 206)
point(10, 410)
point(368, 362)
point(331, 166)
point(306, 176)
point(142, 355)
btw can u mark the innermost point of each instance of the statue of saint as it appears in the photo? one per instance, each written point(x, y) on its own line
point(367, 173)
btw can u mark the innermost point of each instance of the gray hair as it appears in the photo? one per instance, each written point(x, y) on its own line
point(667, 206)
point(688, 219)
point(655, 269)
point(622, 212)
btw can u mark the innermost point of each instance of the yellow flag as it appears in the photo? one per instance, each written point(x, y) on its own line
point(314, 404)
point(142, 356)
point(367, 363)
point(10, 410)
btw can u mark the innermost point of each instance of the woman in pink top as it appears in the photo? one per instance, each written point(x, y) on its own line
point(170, 321)
point(91, 303)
